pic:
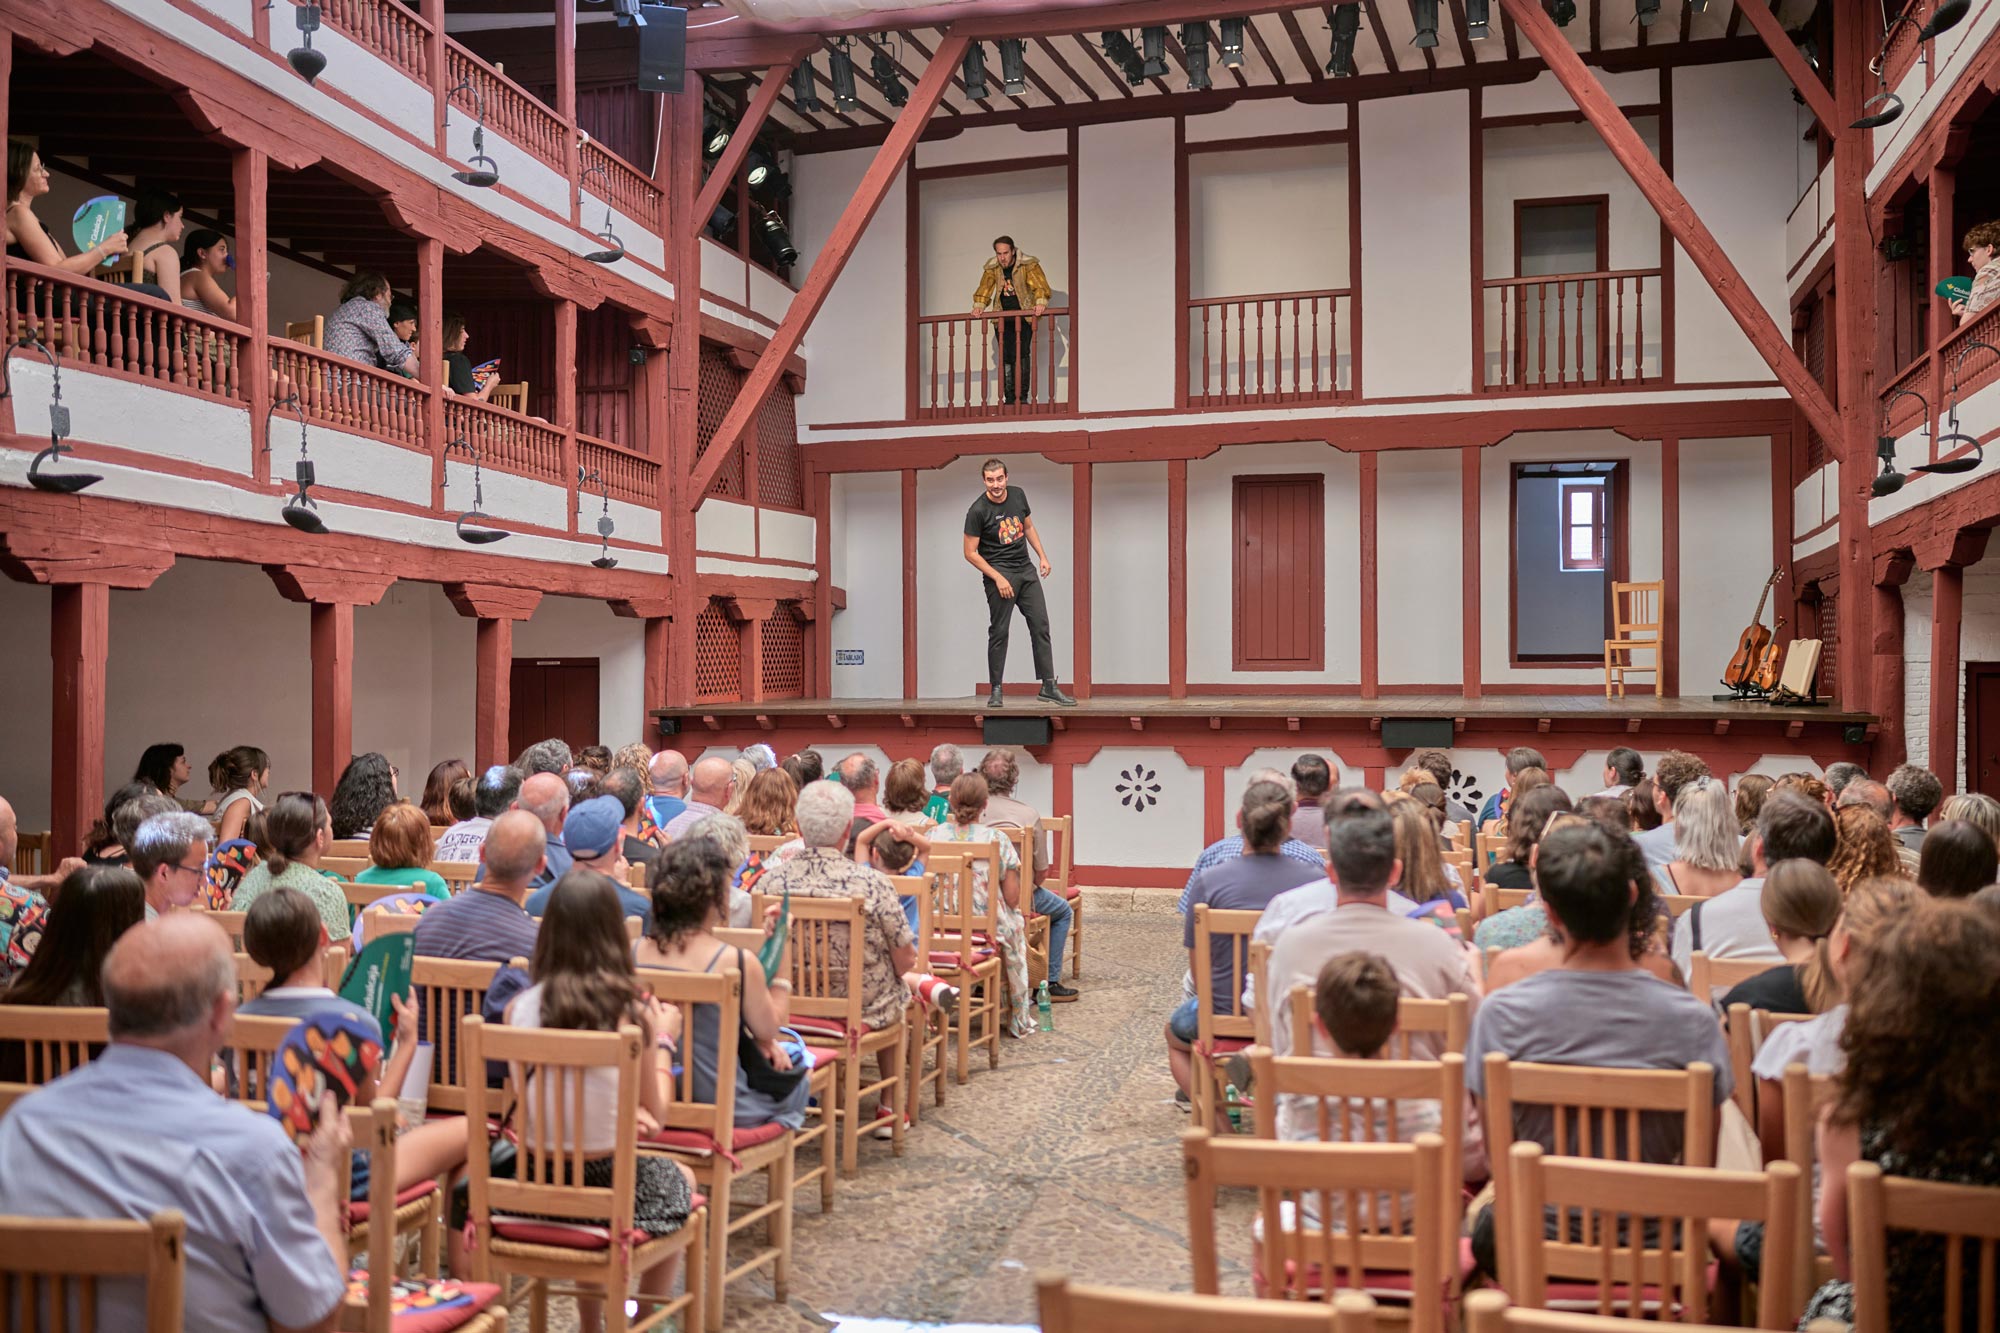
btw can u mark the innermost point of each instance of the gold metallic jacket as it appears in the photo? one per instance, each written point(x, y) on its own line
point(1029, 283)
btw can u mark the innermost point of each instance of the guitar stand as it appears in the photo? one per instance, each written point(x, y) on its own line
point(1742, 694)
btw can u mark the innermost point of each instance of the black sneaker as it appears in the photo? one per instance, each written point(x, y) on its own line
point(1052, 694)
point(1060, 993)
point(995, 700)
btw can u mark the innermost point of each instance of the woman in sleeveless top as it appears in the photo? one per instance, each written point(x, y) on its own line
point(28, 180)
point(584, 981)
point(239, 774)
point(157, 219)
point(1010, 937)
point(1705, 840)
point(204, 259)
point(690, 887)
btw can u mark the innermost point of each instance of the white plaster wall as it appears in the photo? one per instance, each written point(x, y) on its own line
point(1953, 51)
point(1725, 550)
point(1128, 574)
point(1643, 540)
point(578, 627)
point(723, 274)
point(1210, 608)
point(520, 171)
point(1419, 524)
point(991, 143)
point(358, 72)
point(867, 551)
point(640, 241)
point(856, 344)
point(108, 410)
point(1265, 116)
point(1978, 416)
point(1414, 149)
point(235, 12)
point(1125, 265)
point(951, 606)
point(1542, 94)
point(769, 297)
point(507, 495)
point(1267, 220)
point(785, 536)
point(958, 217)
point(1114, 830)
point(725, 527)
point(396, 703)
point(370, 467)
point(27, 685)
point(1733, 159)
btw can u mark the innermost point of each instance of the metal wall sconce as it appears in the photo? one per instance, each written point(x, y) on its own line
point(1953, 437)
point(304, 60)
point(482, 171)
point(63, 483)
point(301, 511)
point(605, 525)
point(614, 248)
point(472, 524)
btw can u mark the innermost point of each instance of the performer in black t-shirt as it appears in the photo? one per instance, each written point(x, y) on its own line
point(999, 529)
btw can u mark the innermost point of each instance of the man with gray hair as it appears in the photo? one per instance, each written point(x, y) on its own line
point(549, 756)
point(1837, 776)
point(1001, 767)
point(495, 793)
point(546, 797)
point(1916, 792)
point(169, 853)
point(713, 779)
point(947, 763)
point(264, 1224)
point(668, 776)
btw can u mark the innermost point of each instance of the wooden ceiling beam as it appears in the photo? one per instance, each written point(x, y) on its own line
point(1117, 79)
point(1215, 58)
point(1068, 70)
point(1786, 52)
point(1256, 37)
point(1382, 39)
point(1305, 52)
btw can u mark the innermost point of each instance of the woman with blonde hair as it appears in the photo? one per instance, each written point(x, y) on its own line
point(1706, 839)
point(1975, 808)
point(1863, 848)
point(1426, 878)
point(740, 774)
point(768, 805)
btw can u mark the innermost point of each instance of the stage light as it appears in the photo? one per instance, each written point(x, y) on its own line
point(63, 483)
point(974, 73)
point(805, 88)
point(301, 511)
point(629, 13)
point(892, 83)
point(1944, 18)
point(306, 62)
point(779, 241)
point(1231, 41)
point(714, 137)
point(1119, 50)
point(1426, 14)
point(1155, 40)
point(722, 223)
point(1561, 12)
point(472, 524)
point(1194, 42)
point(1346, 24)
point(1013, 66)
point(482, 171)
point(1646, 11)
point(840, 66)
point(1476, 19)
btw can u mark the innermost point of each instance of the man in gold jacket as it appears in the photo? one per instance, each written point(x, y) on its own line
point(1007, 278)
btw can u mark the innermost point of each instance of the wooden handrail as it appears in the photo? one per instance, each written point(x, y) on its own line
point(1252, 297)
point(1026, 312)
point(1546, 278)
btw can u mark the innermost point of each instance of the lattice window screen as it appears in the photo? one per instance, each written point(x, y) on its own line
point(718, 656)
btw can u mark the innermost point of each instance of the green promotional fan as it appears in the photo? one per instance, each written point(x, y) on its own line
point(774, 948)
point(1955, 288)
point(381, 970)
point(96, 219)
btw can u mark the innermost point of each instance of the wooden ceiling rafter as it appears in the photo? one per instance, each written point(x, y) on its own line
point(873, 42)
point(1117, 79)
point(1083, 85)
point(1307, 57)
point(1382, 39)
point(1255, 33)
point(1465, 56)
point(956, 81)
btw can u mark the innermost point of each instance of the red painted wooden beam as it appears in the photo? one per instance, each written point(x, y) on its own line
point(832, 258)
point(1786, 52)
point(724, 173)
point(1587, 91)
point(80, 646)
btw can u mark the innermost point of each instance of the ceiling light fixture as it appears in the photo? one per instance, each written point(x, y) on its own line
point(306, 62)
point(614, 248)
point(1119, 50)
point(1346, 24)
point(301, 511)
point(715, 134)
point(1013, 66)
point(892, 82)
point(840, 68)
point(1155, 40)
point(483, 176)
point(472, 524)
point(1561, 12)
point(1646, 11)
point(605, 526)
point(974, 73)
point(1425, 12)
point(64, 483)
point(805, 87)
point(1884, 107)
point(1194, 44)
point(1478, 19)
point(1231, 41)
point(778, 240)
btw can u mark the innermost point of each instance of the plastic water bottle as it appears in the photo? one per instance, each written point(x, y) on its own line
point(1045, 1013)
point(1232, 1101)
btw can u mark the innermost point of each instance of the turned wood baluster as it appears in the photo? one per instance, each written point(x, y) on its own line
point(1639, 331)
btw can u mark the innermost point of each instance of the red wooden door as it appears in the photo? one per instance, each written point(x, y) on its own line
point(1982, 728)
point(1280, 573)
point(553, 697)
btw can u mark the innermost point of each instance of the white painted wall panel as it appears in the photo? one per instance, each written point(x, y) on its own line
point(639, 240)
point(723, 273)
point(1414, 149)
point(1128, 579)
point(1419, 519)
point(856, 344)
point(1138, 806)
point(768, 296)
point(958, 217)
point(783, 536)
point(1125, 270)
point(520, 171)
point(1265, 116)
point(867, 550)
point(360, 74)
point(1542, 94)
point(346, 462)
point(1725, 551)
point(27, 683)
point(148, 420)
point(507, 495)
point(991, 143)
point(1978, 416)
point(725, 527)
point(1268, 220)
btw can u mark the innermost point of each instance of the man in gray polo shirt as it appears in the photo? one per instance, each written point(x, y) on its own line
point(139, 1129)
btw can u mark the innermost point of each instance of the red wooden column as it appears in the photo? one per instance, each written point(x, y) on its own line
point(1670, 564)
point(1469, 589)
point(1370, 605)
point(1177, 580)
point(250, 171)
point(497, 608)
point(675, 434)
point(1080, 503)
point(433, 14)
point(430, 357)
point(1946, 558)
point(822, 595)
point(332, 594)
point(566, 390)
point(565, 17)
point(1892, 571)
point(1854, 271)
point(656, 612)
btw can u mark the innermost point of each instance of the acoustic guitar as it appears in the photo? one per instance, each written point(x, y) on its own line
point(1765, 677)
point(1751, 644)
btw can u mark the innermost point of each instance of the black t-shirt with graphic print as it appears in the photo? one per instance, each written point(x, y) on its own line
point(1002, 530)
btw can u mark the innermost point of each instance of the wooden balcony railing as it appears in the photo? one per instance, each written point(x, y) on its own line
point(1276, 347)
point(623, 186)
point(1573, 331)
point(512, 112)
point(104, 326)
point(396, 33)
point(348, 396)
point(507, 441)
point(629, 476)
point(1958, 367)
point(1000, 363)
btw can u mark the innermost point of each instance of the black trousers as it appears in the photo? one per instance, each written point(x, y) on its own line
point(999, 619)
point(1017, 360)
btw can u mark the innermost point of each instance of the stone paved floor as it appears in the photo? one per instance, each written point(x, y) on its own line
point(1067, 1157)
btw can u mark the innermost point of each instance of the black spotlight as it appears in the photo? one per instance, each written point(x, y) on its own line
point(482, 171)
point(805, 87)
point(1155, 40)
point(715, 134)
point(1476, 19)
point(1194, 44)
point(472, 524)
point(758, 169)
point(301, 511)
point(1425, 12)
point(1346, 24)
point(1119, 50)
point(779, 241)
point(1231, 41)
point(614, 248)
point(722, 224)
point(892, 83)
point(840, 67)
point(1944, 18)
point(1646, 11)
point(1808, 48)
point(67, 483)
point(1013, 66)
point(306, 62)
point(975, 73)
point(1561, 12)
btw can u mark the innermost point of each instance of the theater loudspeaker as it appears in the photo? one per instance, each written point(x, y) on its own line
point(662, 49)
point(1416, 733)
point(1017, 731)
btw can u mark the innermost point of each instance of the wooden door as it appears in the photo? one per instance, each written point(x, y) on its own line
point(1982, 728)
point(553, 697)
point(1279, 578)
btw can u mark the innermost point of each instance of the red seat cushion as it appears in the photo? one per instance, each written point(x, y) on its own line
point(563, 1235)
point(741, 1137)
point(1228, 1045)
point(1072, 892)
point(942, 959)
point(825, 1055)
point(821, 1026)
point(357, 1213)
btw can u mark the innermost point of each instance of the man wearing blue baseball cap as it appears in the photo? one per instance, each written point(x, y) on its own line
point(594, 832)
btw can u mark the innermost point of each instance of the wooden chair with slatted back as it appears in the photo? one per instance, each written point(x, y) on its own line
point(1595, 1113)
point(704, 1136)
point(1357, 1101)
point(1966, 1217)
point(769, 842)
point(819, 1125)
point(1489, 1312)
point(1067, 1307)
point(1493, 898)
point(59, 1262)
point(930, 1028)
point(361, 897)
point(1374, 1245)
point(130, 268)
point(52, 1041)
point(373, 1128)
point(457, 875)
point(231, 923)
point(248, 1055)
point(1218, 1036)
point(32, 854)
point(379, 921)
point(1635, 1236)
point(1712, 978)
point(826, 1008)
point(347, 867)
point(547, 1073)
point(1444, 1024)
point(1804, 1095)
point(964, 954)
point(1677, 904)
point(1260, 986)
point(1637, 628)
point(1489, 849)
point(1035, 926)
point(1060, 830)
point(251, 978)
point(310, 332)
point(351, 849)
point(448, 989)
point(513, 397)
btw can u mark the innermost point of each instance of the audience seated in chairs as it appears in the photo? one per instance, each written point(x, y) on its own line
point(400, 850)
point(713, 783)
point(27, 181)
point(1675, 770)
point(1801, 905)
point(139, 1129)
point(436, 800)
point(170, 854)
point(962, 824)
point(366, 788)
point(165, 765)
point(298, 830)
point(157, 222)
point(494, 793)
point(1001, 767)
point(627, 786)
point(1864, 848)
point(728, 835)
point(237, 776)
point(667, 774)
point(1706, 841)
point(594, 837)
point(458, 374)
point(359, 328)
point(96, 906)
point(130, 806)
point(204, 259)
point(1731, 924)
point(487, 922)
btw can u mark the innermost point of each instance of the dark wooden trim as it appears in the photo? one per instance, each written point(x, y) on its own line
point(1081, 503)
point(1477, 138)
point(911, 639)
point(1975, 672)
point(1183, 260)
point(1354, 279)
point(1670, 564)
point(1471, 569)
point(996, 167)
point(1947, 642)
point(1637, 109)
point(1252, 143)
point(1603, 264)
